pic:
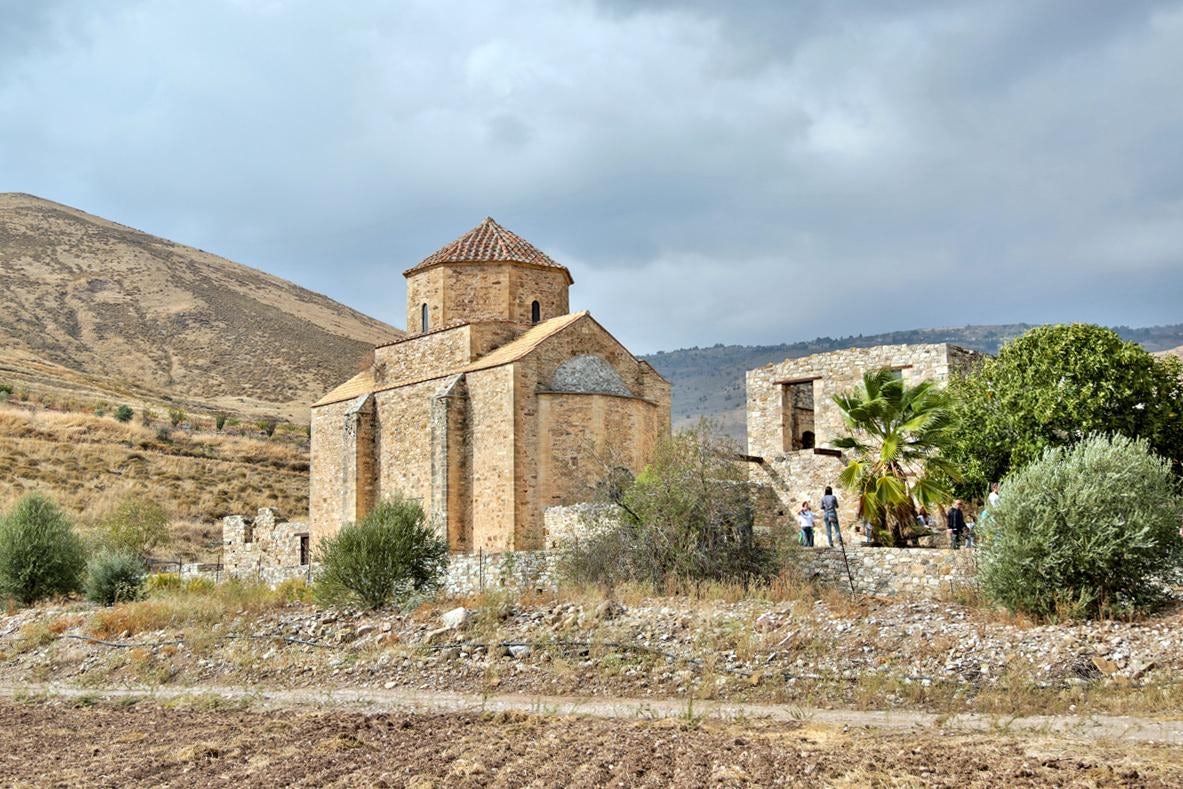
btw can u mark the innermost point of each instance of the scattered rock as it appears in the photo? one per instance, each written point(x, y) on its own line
point(456, 618)
point(1104, 665)
point(609, 610)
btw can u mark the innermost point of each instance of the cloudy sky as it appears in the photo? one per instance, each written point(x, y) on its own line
point(752, 172)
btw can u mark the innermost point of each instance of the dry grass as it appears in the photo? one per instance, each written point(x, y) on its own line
point(88, 463)
point(190, 606)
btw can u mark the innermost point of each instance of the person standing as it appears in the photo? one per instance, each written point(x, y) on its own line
point(994, 498)
point(805, 519)
point(955, 519)
point(830, 516)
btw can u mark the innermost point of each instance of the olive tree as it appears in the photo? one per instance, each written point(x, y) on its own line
point(1084, 530)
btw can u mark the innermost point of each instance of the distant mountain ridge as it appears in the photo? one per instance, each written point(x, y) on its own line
point(92, 307)
point(709, 382)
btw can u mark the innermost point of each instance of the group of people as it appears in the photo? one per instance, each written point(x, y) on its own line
point(806, 518)
point(961, 532)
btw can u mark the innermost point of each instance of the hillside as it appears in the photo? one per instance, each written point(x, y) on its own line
point(709, 382)
point(94, 310)
point(88, 463)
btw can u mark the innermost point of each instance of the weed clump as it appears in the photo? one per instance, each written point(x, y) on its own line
point(123, 414)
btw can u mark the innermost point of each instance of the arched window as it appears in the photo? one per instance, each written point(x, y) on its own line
point(423, 318)
point(535, 312)
point(807, 439)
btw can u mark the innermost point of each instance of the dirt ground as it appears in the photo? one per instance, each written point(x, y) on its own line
point(75, 743)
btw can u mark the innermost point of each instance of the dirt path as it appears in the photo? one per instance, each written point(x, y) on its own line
point(1077, 727)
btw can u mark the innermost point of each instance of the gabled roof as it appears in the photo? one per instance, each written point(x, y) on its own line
point(489, 242)
point(516, 349)
point(360, 384)
point(524, 344)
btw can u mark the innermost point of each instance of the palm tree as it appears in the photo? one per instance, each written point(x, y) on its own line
point(895, 433)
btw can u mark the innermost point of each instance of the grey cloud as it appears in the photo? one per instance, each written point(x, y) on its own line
point(755, 172)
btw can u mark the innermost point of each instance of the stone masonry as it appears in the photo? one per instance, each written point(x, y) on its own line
point(498, 404)
point(792, 419)
point(251, 546)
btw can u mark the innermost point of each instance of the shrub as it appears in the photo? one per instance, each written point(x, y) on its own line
point(219, 422)
point(1083, 531)
point(114, 577)
point(136, 526)
point(175, 416)
point(100, 409)
point(386, 556)
point(267, 426)
point(5, 389)
point(123, 414)
point(147, 417)
point(689, 516)
point(40, 553)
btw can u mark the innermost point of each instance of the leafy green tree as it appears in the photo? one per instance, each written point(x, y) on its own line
point(40, 553)
point(1085, 530)
point(388, 555)
point(123, 414)
point(1053, 386)
point(136, 526)
point(895, 433)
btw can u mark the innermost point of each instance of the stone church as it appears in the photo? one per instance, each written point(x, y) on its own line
point(498, 404)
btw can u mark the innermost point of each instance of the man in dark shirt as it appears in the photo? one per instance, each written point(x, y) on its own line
point(956, 522)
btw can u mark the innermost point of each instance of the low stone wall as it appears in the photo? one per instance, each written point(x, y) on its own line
point(887, 572)
point(522, 571)
point(892, 572)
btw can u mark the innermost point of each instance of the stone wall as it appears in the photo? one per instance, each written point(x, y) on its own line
point(774, 394)
point(422, 357)
point(520, 571)
point(891, 572)
point(884, 572)
point(251, 545)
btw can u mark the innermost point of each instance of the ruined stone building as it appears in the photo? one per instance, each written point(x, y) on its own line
point(792, 418)
point(497, 405)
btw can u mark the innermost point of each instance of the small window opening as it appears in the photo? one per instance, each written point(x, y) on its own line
point(535, 312)
point(797, 413)
point(423, 318)
point(305, 557)
point(248, 532)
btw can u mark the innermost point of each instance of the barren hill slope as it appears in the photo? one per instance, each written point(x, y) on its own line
point(100, 307)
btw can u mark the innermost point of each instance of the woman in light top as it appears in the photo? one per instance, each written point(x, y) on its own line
point(805, 519)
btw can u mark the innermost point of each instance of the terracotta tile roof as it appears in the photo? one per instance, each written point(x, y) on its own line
point(516, 349)
point(489, 242)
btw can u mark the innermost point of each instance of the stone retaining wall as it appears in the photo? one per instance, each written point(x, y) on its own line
point(892, 572)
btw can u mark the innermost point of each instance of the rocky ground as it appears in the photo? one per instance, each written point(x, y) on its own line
point(102, 744)
point(830, 651)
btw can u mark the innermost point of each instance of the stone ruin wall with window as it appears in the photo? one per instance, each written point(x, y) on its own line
point(792, 419)
point(256, 547)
